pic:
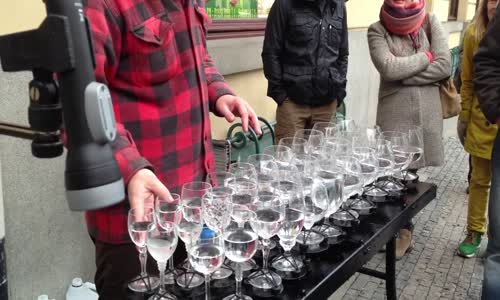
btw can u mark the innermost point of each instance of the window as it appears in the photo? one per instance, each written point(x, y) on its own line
point(237, 18)
point(453, 12)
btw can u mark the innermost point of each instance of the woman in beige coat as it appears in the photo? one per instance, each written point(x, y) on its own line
point(409, 48)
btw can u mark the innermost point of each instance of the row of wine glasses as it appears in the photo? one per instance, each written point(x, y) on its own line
point(290, 191)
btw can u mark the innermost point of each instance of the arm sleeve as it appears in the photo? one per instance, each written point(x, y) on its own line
point(273, 50)
point(487, 72)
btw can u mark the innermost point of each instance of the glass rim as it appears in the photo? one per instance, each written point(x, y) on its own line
point(291, 138)
point(192, 186)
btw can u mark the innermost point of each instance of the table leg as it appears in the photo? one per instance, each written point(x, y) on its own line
point(390, 269)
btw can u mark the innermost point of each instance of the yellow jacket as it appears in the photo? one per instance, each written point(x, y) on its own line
point(480, 132)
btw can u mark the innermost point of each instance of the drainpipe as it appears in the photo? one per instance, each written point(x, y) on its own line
point(3, 261)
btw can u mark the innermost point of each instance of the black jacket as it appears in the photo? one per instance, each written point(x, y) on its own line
point(487, 72)
point(305, 51)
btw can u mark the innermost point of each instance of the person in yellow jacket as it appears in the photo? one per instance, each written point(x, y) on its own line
point(478, 131)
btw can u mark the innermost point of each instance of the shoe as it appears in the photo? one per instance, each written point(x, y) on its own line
point(404, 243)
point(470, 244)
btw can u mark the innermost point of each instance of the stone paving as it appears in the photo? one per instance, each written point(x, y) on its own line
point(432, 270)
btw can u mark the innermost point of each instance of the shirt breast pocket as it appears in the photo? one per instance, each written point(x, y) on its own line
point(150, 51)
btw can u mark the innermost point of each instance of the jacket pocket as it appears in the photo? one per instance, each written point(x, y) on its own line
point(300, 28)
point(298, 83)
point(335, 33)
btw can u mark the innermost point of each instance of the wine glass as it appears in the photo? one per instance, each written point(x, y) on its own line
point(266, 169)
point(244, 196)
point(169, 210)
point(332, 176)
point(324, 127)
point(316, 203)
point(269, 215)
point(369, 164)
point(220, 178)
point(337, 146)
point(352, 175)
point(240, 246)
point(190, 226)
point(217, 209)
point(283, 155)
point(416, 140)
point(206, 255)
point(385, 157)
point(138, 222)
point(348, 126)
point(189, 230)
point(243, 172)
point(161, 244)
point(191, 195)
point(315, 139)
point(297, 144)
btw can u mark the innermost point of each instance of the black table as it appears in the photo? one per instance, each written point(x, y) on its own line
point(328, 270)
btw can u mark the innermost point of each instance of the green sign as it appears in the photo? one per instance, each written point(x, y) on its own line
point(234, 9)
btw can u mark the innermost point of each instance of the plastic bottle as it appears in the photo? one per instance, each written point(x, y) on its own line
point(78, 290)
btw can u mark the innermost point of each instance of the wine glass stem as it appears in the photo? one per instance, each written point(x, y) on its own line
point(265, 253)
point(171, 263)
point(207, 286)
point(239, 278)
point(143, 256)
point(161, 268)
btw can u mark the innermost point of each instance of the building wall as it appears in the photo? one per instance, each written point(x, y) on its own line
point(46, 244)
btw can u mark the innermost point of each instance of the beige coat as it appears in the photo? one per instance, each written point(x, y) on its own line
point(409, 92)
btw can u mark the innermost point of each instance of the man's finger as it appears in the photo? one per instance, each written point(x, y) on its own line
point(242, 111)
point(161, 191)
point(254, 120)
point(226, 113)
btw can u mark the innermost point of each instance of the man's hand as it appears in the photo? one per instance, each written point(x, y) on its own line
point(230, 106)
point(143, 188)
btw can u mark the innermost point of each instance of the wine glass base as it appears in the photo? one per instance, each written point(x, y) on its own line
point(170, 276)
point(222, 273)
point(287, 263)
point(289, 267)
point(234, 297)
point(264, 279)
point(163, 296)
point(143, 284)
point(189, 280)
point(310, 238)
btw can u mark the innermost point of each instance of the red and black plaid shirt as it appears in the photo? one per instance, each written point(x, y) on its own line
point(153, 57)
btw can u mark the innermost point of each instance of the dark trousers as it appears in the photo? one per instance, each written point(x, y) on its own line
point(117, 264)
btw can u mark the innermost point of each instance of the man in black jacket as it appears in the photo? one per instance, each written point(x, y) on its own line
point(487, 87)
point(305, 61)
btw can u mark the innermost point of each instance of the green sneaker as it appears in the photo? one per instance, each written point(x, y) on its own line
point(470, 244)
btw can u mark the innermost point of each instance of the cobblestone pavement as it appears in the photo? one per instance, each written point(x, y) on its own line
point(432, 270)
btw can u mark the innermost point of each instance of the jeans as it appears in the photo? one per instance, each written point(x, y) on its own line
point(491, 281)
point(478, 194)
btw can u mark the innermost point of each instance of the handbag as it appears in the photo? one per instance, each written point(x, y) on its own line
point(448, 94)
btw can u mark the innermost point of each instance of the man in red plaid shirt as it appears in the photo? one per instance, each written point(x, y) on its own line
point(152, 54)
